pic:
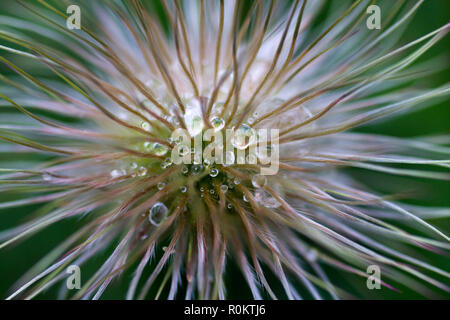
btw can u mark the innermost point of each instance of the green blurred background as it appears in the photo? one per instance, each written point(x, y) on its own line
point(16, 260)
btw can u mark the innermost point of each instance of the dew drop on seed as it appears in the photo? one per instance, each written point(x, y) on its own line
point(161, 185)
point(114, 173)
point(193, 121)
point(145, 126)
point(236, 181)
point(243, 137)
point(148, 145)
point(229, 157)
point(217, 123)
point(46, 176)
point(224, 188)
point(245, 198)
point(214, 172)
point(229, 206)
point(212, 191)
point(184, 169)
point(196, 169)
point(159, 149)
point(183, 150)
point(158, 213)
point(142, 171)
point(202, 189)
point(183, 189)
point(207, 162)
point(259, 181)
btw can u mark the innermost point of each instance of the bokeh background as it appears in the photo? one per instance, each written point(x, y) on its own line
point(16, 260)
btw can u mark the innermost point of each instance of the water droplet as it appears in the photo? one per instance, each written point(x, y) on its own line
point(212, 191)
point(245, 198)
point(133, 165)
point(243, 137)
point(207, 162)
point(217, 123)
point(214, 172)
point(184, 169)
point(142, 171)
point(196, 169)
point(115, 173)
point(229, 157)
point(47, 177)
point(183, 150)
point(161, 185)
point(224, 188)
point(229, 206)
point(183, 189)
point(259, 181)
point(148, 145)
point(202, 189)
point(193, 119)
point(158, 213)
point(145, 126)
point(236, 181)
point(250, 120)
point(266, 199)
point(159, 149)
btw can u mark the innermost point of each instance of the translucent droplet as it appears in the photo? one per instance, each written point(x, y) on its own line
point(168, 161)
point(266, 199)
point(183, 150)
point(224, 188)
point(184, 169)
point(236, 181)
point(183, 189)
point(148, 145)
point(250, 120)
point(245, 198)
point(47, 177)
point(202, 189)
point(259, 181)
point(212, 191)
point(133, 165)
point(230, 206)
point(311, 255)
point(217, 123)
point(207, 162)
point(158, 213)
point(196, 169)
point(161, 185)
point(159, 149)
point(214, 172)
point(142, 171)
point(193, 119)
point(271, 202)
point(114, 173)
point(229, 157)
point(145, 126)
point(243, 137)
